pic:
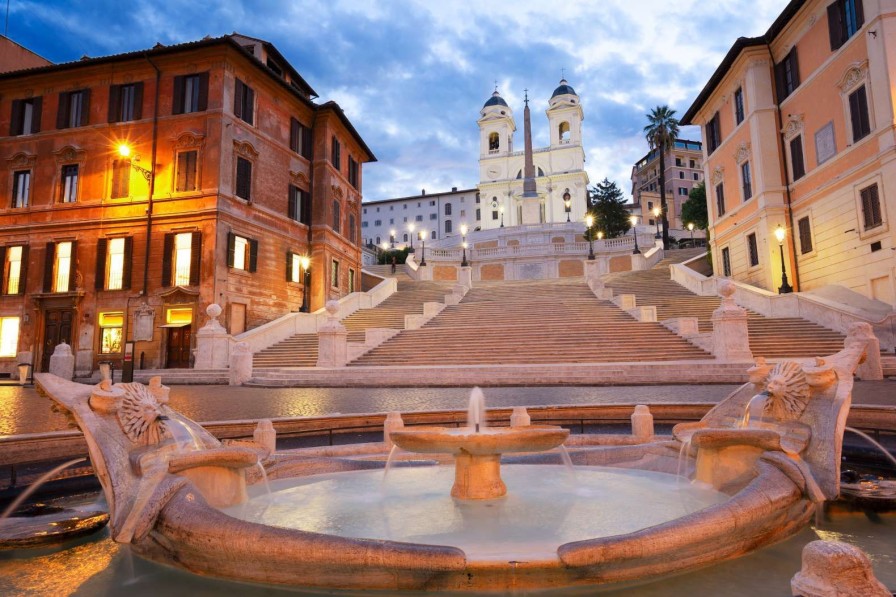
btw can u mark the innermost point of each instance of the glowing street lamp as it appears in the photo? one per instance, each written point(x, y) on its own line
point(305, 262)
point(691, 228)
point(124, 150)
point(422, 237)
point(656, 216)
point(589, 222)
point(463, 236)
point(567, 203)
point(785, 288)
point(411, 230)
point(501, 209)
point(634, 220)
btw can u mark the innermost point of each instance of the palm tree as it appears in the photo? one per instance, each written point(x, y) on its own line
point(661, 132)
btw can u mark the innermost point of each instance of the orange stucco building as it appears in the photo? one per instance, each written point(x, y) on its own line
point(231, 174)
point(799, 133)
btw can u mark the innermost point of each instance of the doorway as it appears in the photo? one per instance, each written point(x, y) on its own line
point(57, 329)
point(179, 347)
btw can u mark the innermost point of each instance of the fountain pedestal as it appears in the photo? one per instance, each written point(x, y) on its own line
point(477, 477)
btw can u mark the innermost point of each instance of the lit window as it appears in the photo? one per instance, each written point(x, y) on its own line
point(334, 274)
point(295, 267)
point(116, 263)
point(183, 254)
point(111, 325)
point(63, 267)
point(242, 252)
point(351, 280)
point(240, 247)
point(12, 270)
point(25, 118)
point(9, 336)
point(182, 315)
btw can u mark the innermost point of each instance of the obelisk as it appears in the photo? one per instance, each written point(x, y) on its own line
point(530, 201)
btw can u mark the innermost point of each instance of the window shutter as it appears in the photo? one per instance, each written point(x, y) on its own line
point(796, 158)
point(195, 258)
point(128, 262)
point(62, 111)
point(305, 213)
point(307, 149)
point(794, 66)
point(855, 115)
point(49, 258)
point(138, 101)
point(834, 26)
point(238, 92)
point(37, 107)
point(180, 183)
point(85, 107)
point(291, 203)
point(294, 134)
point(102, 245)
point(253, 254)
point(71, 267)
point(231, 248)
point(15, 121)
point(780, 88)
point(177, 103)
point(23, 271)
point(3, 268)
point(114, 103)
point(860, 14)
point(249, 116)
point(202, 101)
point(288, 266)
point(717, 129)
point(167, 254)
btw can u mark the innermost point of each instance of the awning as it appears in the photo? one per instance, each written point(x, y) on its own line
point(176, 325)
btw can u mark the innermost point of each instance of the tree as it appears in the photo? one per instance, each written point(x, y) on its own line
point(608, 209)
point(695, 209)
point(661, 132)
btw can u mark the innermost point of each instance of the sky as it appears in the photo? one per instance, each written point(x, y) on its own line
point(412, 75)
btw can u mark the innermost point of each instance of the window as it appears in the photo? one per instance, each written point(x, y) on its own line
point(59, 271)
point(121, 179)
point(334, 274)
point(300, 138)
point(738, 106)
point(787, 75)
point(14, 261)
point(433, 216)
point(720, 199)
point(845, 17)
point(683, 191)
point(478, 213)
point(753, 249)
point(377, 222)
point(746, 181)
point(244, 179)
point(494, 214)
point(113, 263)
point(242, 252)
point(493, 142)
point(405, 237)
point(797, 166)
point(419, 218)
point(293, 267)
point(337, 216)
point(391, 220)
point(243, 102)
point(678, 162)
point(335, 152)
point(125, 102)
point(9, 336)
point(110, 325)
point(21, 188)
point(477, 199)
point(681, 175)
point(68, 190)
point(871, 213)
point(447, 226)
point(190, 93)
point(858, 114)
point(299, 205)
point(649, 205)
point(25, 118)
point(353, 178)
point(692, 164)
point(463, 212)
point(432, 203)
point(713, 133)
point(180, 258)
point(351, 280)
point(74, 109)
point(696, 176)
point(805, 235)
point(726, 262)
point(351, 228)
point(433, 235)
point(187, 169)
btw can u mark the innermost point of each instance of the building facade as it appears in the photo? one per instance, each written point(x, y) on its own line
point(684, 170)
point(438, 215)
point(799, 134)
point(559, 169)
point(140, 188)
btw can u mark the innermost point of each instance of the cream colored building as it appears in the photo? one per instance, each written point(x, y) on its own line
point(799, 133)
point(559, 168)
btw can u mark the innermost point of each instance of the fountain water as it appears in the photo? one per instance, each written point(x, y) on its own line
point(37, 485)
point(874, 443)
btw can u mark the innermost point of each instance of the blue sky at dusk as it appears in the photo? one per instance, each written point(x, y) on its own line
point(412, 75)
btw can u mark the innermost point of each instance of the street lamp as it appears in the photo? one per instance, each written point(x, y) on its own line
point(785, 288)
point(463, 236)
point(305, 262)
point(411, 230)
point(691, 228)
point(634, 220)
point(589, 221)
point(422, 234)
point(501, 209)
point(567, 203)
point(392, 237)
point(656, 216)
point(124, 150)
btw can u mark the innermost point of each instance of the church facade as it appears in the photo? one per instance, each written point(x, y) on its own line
point(561, 183)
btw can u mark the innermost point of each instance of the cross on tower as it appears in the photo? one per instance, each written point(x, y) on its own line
point(496, 85)
point(562, 73)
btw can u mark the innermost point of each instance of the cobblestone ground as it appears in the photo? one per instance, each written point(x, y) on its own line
point(22, 410)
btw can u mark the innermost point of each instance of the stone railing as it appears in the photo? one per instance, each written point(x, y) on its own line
point(580, 249)
point(694, 281)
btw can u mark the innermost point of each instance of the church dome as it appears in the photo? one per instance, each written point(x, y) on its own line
point(564, 89)
point(495, 100)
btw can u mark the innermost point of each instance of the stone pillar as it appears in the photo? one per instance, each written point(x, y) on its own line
point(212, 342)
point(520, 417)
point(730, 335)
point(393, 422)
point(465, 277)
point(870, 368)
point(62, 362)
point(594, 269)
point(836, 568)
point(332, 340)
point(642, 423)
point(265, 435)
point(240, 364)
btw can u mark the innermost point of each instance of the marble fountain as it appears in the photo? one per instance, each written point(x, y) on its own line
point(761, 462)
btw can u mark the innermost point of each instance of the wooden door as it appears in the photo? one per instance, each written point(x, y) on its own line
point(179, 347)
point(57, 329)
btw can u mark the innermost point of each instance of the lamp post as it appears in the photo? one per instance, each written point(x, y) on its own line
point(422, 234)
point(784, 288)
point(501, 209)
point(589, 221)
point(567, 203)
point(392, 237)
point(463, 236)
point(691, 228)
point(306, 282)
point(634, 220)
point(656, 216)
point(411, 230)
point(385, 248)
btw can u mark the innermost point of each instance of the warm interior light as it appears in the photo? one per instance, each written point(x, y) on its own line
point(589, 220)
point(391, 233)
point(779, 234)
point(421, 234)
point(124, 150)
point(306, 261)
point(463, 229)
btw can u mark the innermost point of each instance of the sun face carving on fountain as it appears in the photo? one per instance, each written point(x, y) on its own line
point(140, 417)
point(788, 392)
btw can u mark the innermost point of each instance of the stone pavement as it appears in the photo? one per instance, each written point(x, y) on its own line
point(23, 410)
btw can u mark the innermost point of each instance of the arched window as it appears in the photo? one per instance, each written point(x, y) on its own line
point(377, 240)
point(494, 142)
point(405, 237)
point(447, 226)
point(564, 132)
point(519, 174)
point(540, 171)
point(447, 209)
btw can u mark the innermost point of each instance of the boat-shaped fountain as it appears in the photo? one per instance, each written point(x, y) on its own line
point(179, 496)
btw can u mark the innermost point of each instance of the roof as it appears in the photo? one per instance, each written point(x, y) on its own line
point(336, 109)
point(495, 100)
point(564, 89)
point(740, 44)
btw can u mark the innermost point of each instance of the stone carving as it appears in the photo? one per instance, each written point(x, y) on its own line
point(742, 154)
point(245, 149)
point(855, 74)
point(718, 174)
point(300, 178)
point(836, 569)
point(788, 392)
point(793, 126)
point(68, 154)
point(140, 416)
point(189, 139)
point(144, 323)
point(21, 160)
point(337, 191)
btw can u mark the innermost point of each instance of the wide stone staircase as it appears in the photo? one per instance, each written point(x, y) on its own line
point(770, 337)
point(531, 322)
point(300, 350)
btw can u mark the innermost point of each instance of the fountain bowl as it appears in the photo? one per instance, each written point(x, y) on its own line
point(490, 440)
